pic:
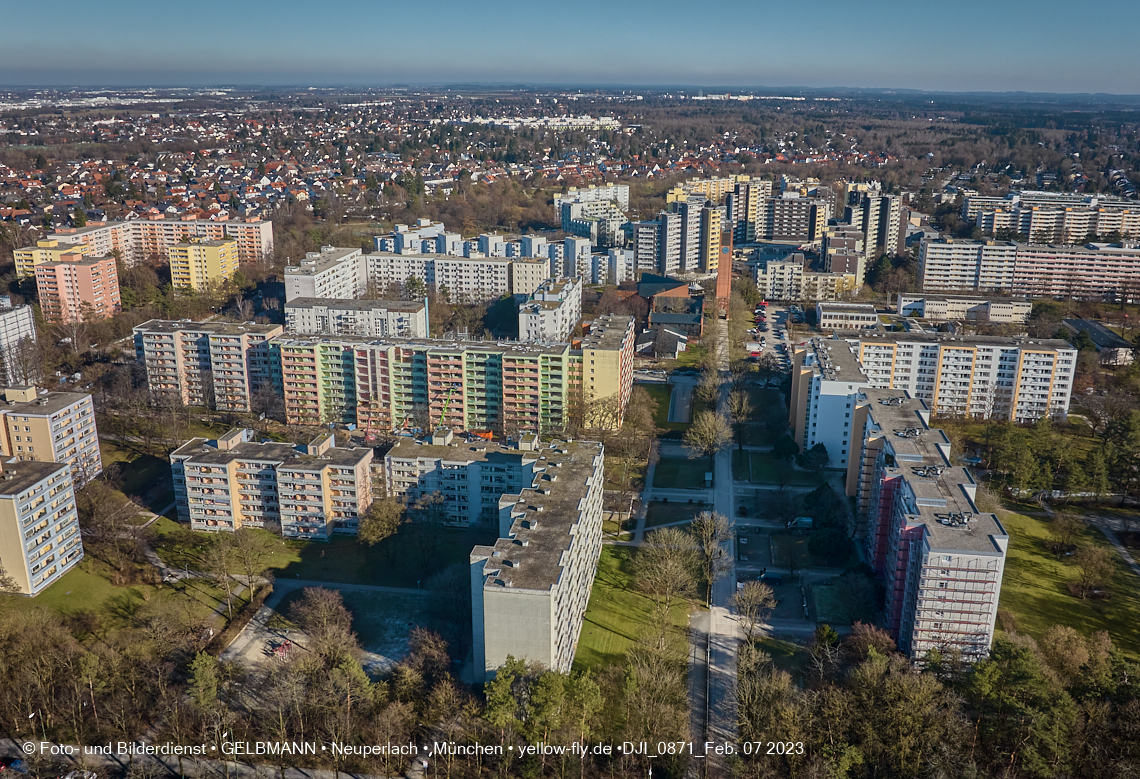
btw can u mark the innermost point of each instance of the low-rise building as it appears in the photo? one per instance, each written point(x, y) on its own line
point(552, 311)
point(78, 289)
point(942, 307)
point(845, 316)
point(39, 526)
point(59, 427)
point(307, 491)
point(1110, 347)
point(530, 589)
point(401, 318)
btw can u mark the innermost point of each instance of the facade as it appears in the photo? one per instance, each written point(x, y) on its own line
point(16, 326)
point(657, 244)
point(877, 217)
point(940, 558)
point(217, 365)
point(618, 193)
point(57, 427)
point(844, 250)
point(600, 221)
point(940, 307)
point(309, 491)
point(200, 264)
point(1096, 271)
point(139, 240)
point(400, 318)
point(77, 288)
point(743, 208)
point(787, 280)
point(47, 250)
point(845, 316)
point(826, 380)
point(39, 526)
point(1054, 217)
point(552, 312)
point(526, 275)
point(385, 384)
point(530, 589)
point(329, 273)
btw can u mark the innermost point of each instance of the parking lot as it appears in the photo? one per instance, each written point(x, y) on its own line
point(769, 329)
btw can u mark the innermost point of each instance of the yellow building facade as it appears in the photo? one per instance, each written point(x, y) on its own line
point(47, 250)
point(199, 265)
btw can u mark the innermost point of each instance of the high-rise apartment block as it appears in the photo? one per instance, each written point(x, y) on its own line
point(1054, 217)
point(877, 217)
point(202, 265)
point(600, 221)
point(940, 558)
point(39, 526)
point(141, 240)
point(334, 316)
point(78, 289)
point(552, 311)
point(329, 273)
point(529, 590)
point(1019, 379)
point(618, 193)
point(47, 250)
point(217, 365)
point(787, 279)
point(17, 326)
point(59, 427)
point(307, 491)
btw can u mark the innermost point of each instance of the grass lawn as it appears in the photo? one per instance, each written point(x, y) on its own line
point(618, 614)
point(663, 513)
point(787, 656)
point(401, 560)
point(681, 473)
point(612, 529)
point(662, 394)
point(1035, 588)
point(762, 468)
point(617, 468)
point(144, 476)
point(382, 621)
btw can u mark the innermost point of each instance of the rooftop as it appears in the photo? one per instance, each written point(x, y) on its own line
point(1098, 333)
point(834, 360)
point(607, 332)
point(220, 328)
point(206, 452)
point(981, 340)
point(18, 475)
point(45, 404)
point(833, 307)
point(316, 263)
point(356, 305)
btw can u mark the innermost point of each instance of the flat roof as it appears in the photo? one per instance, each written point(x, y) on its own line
point(204, 451)
point(221, 328)
point(357, 305)
point(18, 475)
point(44, 404)
point(312, 266)
point(831, 358)
point(607, 332)
point(964, 340)
point(426, 344)
point(851, 308)
point(1098, 333)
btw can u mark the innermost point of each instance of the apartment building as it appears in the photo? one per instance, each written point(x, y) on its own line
point(527, 274)
point(657, 244)
point(329, 273)
point(826, 380)
point(217, 365)
point(141, 240)
point(787, 279)
point(77, 288)
point(381, 384)
point(943, 307)
point(618, 193)
point(419, 239)
point(398, 318)
point(950, 264)
point(201, 265)
point(877, 217)
point(793, 219)
point(845, 316)
point(715, 189)
point(17, 325)
point(530, 589)
point(1054, 217)
point(39, 526)
point(307, 491)
point(941, 559)
point(599, 221)
point(552, 311)
point(844, 250)
point(743, 209)
point(58, 427)
point(47, 250)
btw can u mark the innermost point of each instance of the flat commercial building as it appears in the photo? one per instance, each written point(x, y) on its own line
point(39, 526)
point(47, 250)
point(980, 377)
point(78, 289)
point(202, 265)
point(530, 589)
point(845, 316)
point(142, 240)
point(1096, 271)
point(1110, 347)
point(399, 318)
point(216, 365)
point(942, 307)
point(552, 311)
point(57, 427)
point(308, 491)
point(940, 558)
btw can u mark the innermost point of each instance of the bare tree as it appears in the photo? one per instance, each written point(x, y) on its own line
point(667, 566)
point(740, 412)
point(753, 603)
point(708, 434)
point(711, 531)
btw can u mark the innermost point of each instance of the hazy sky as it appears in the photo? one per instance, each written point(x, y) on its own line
point(959, 45)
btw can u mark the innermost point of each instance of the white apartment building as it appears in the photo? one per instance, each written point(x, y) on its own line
point(138, 240)
point(845, 316)
point(552, 312)
point(17, 324)
point(313, 316)
point(329, 273)
point(618, 193)
point(781, 279)
point(1054, 217)
point(218, 365)
point(39, 526)
point(599, 222)
point(307, 491)
point(941, 307)
point(418, 239)
point(51, 427)
point(472, 279)
point(528, 273)
point(950, 264)
point(826, 381)
point(577, 256)
point(530, 589)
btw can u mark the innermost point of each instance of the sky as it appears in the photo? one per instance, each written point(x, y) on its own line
point(955, 46)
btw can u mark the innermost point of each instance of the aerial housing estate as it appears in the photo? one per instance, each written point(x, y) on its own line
point(529, 589)
point(140, 240)
point(940, 558)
